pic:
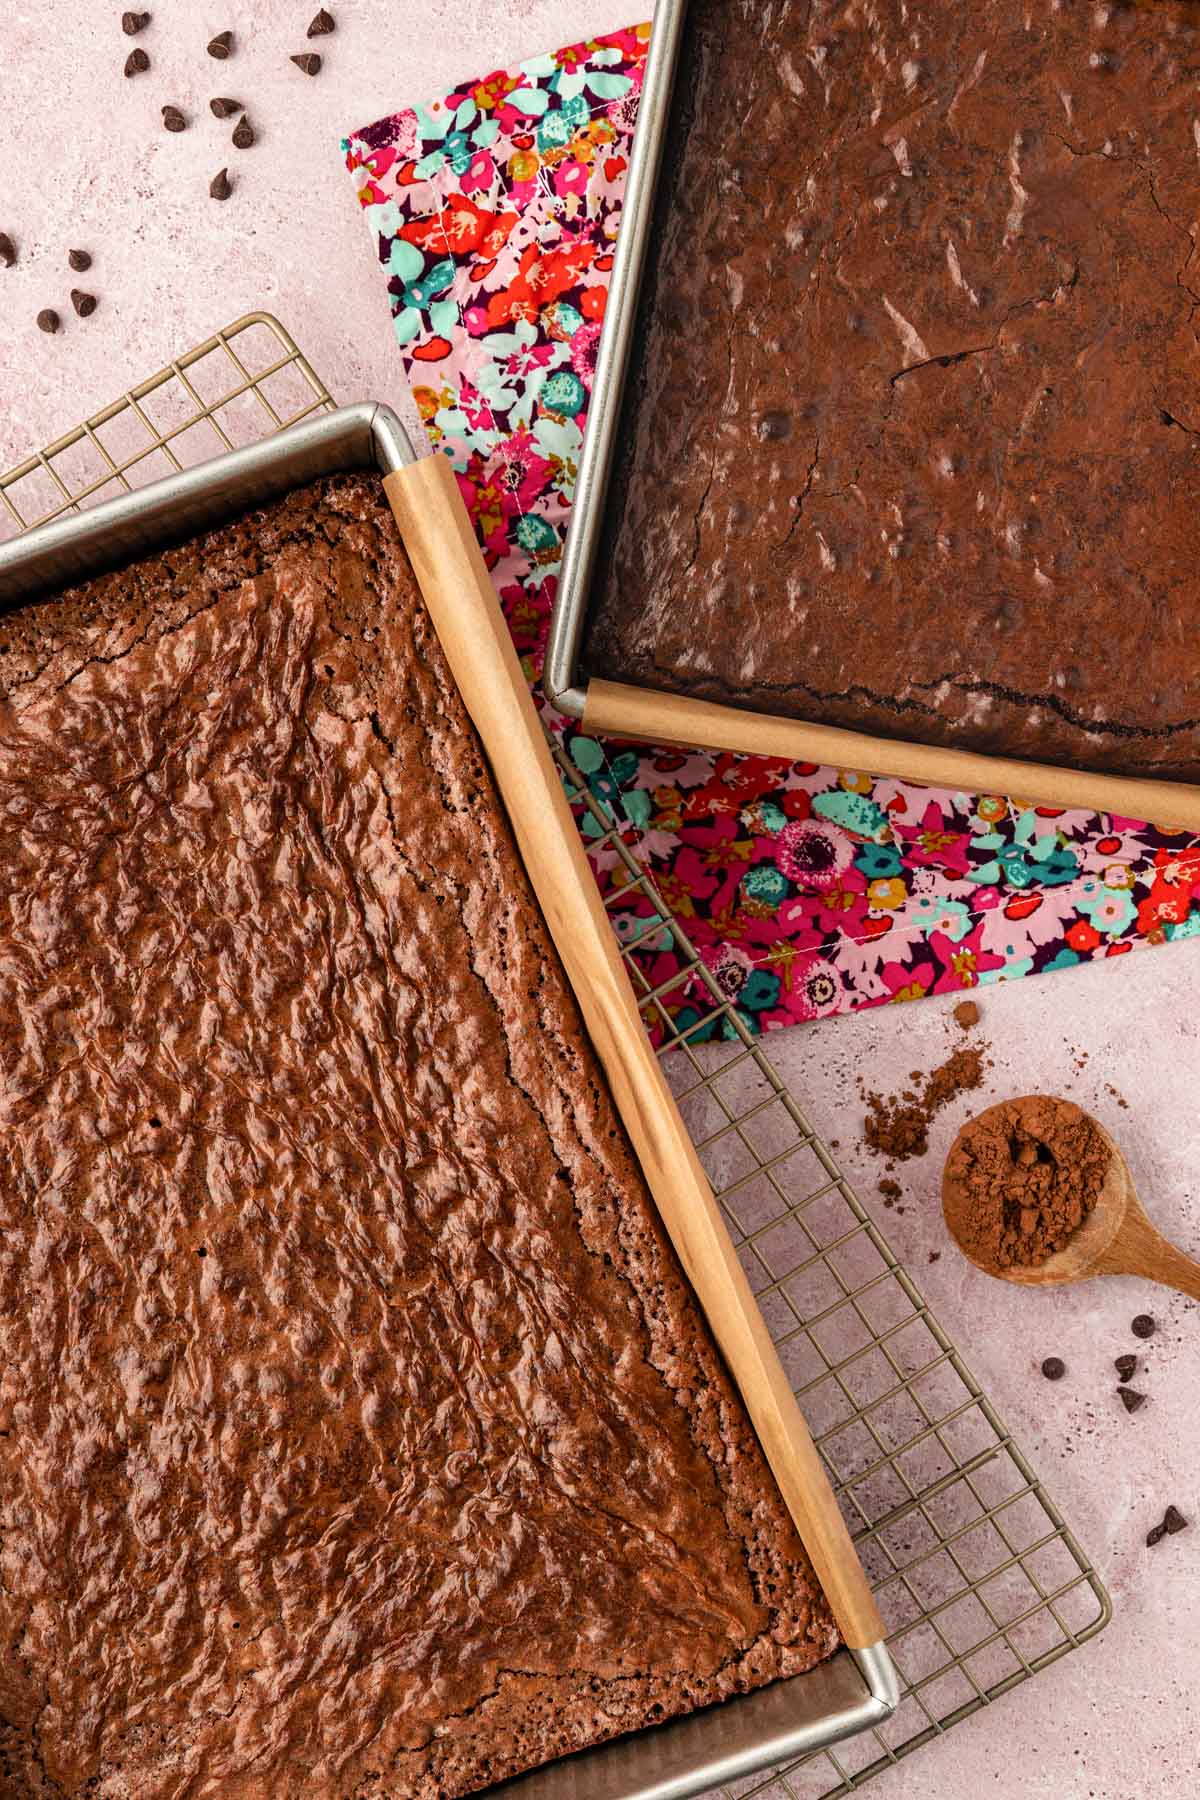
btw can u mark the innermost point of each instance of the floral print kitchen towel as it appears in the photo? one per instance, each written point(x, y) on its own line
point(493, 211)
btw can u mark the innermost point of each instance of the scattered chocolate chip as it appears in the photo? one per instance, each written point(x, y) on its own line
point(1155, 1535)
point(308, 63)
point(79, 260)
point(224, 109)
point(243, 134)
point(137, 62)
point(1131, 1399)
point(220, 187)
point(1054, 1368)
point(173, 119)
point(322, 25)
point(1143, 1326)
point(1126, 1367)
point(1173, 1520)
point(221, 46)
point(132, 23)
point(84, 304)
point(8, 250)
point(48, 319)
point(966, 1015)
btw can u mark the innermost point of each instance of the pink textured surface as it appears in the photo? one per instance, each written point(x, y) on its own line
point(86, 162)
point(1116, 1720)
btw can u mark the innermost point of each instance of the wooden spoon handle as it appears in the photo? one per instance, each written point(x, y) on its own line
point(1140, 1250)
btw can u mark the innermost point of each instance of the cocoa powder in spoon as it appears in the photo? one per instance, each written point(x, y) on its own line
point(1030, 1172)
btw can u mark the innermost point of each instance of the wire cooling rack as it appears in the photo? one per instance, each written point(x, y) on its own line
point(980, 1583)
point(240, 385)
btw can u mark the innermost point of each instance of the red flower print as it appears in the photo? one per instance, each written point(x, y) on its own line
point(797, 803)
point(462, 228)
point(1083, 937)
point(592, 302)
point(435, 350)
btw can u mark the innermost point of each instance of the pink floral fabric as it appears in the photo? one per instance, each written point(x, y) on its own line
point(493, 211)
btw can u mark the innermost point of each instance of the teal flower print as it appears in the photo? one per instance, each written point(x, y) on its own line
point(562, 319)
point(760, 991)
point(409, 307)
point(764, 817)
point(879, 862)
point(853, 812)
point(534, 535)
point(564, 394)
point(766, 884)
point(556, 129)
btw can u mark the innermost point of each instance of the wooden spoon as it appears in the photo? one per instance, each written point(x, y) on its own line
point(1116, 1238)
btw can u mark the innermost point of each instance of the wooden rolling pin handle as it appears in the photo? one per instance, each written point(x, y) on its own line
point(458, 592)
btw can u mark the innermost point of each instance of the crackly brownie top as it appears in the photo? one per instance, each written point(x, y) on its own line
point(358, 1434)
point(912, 438)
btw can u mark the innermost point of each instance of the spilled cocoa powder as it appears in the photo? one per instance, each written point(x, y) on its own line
point(1021, 1179)
point(898, 1126)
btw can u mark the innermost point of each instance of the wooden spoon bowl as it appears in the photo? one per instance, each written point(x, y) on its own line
point(1116, 1238)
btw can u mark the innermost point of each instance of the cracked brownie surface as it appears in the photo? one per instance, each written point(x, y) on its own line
point(911, 434)
point(359, 1435)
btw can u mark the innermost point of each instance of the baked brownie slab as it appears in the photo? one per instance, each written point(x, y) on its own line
point(912, 435)
point(359, 1436)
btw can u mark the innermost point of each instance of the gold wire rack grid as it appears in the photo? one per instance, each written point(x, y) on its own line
point(240, 385)
point(980, 1582)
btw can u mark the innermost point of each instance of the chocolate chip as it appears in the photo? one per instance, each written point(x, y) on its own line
point(48, 319)
point(1173, 1520)
point(8, 250)
point(225, 109)
point(1143, 1326)
point(173, 119)
point(221, 46)
point(137, 62)
point(220, 187)
point(322, 25)
point(1155, 1535)
point(84, 304)
point(79, 260)
point(132, 23)
point(243, 133)
point(307, 63)
point(1125, 1366)
point(1131, 1399)
point(1054, 1368)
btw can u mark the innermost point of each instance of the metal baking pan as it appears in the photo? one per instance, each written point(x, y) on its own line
point(618, 709)
point(852, 1690)
point(78, 545)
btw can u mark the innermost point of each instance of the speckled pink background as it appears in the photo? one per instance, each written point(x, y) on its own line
point(84, 161)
